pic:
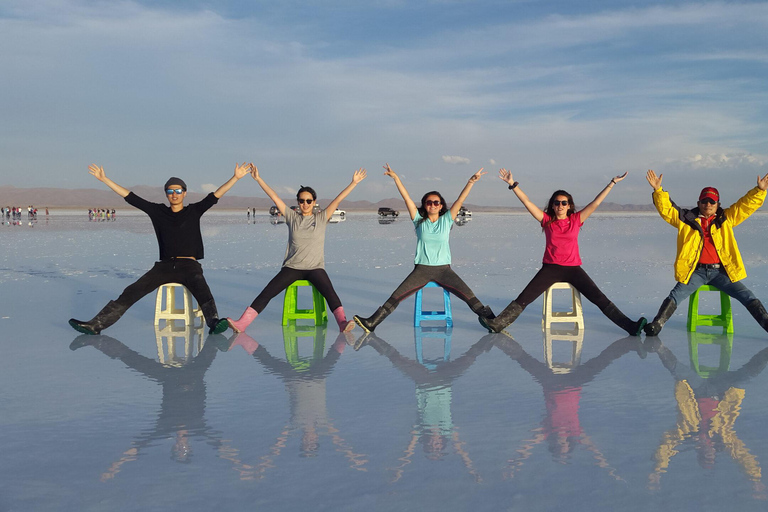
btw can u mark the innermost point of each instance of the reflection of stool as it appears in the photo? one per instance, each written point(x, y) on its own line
point(726, 348)
point(291, 335)
point(291, 309)
point(173, 339)
point(167, 310)
point(443, 333)
point(575, 315)
point(724, 319)
point(419, 315)
point(573, 336)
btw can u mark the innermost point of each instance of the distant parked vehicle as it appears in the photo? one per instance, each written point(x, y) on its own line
point(274, 211)
point(388, 212)
point(463, 212)
point(340, 213)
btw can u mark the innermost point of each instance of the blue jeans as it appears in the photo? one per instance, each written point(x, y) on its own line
point(715, 277)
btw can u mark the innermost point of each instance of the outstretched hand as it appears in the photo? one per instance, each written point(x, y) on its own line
point(389, 172)
point(506, 176)
point(655, 181)
point(254, 171)
point(617, 179)
point(242, 170)
point(762, 183)
point(359, 175)
point(476, 176)
point(97, 171)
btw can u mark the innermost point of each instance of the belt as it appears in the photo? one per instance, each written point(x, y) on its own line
point(709, 265)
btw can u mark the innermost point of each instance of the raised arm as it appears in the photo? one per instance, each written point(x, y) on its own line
point(357, 177)
point(506, 177)
point(464, 193)
point(266, 188)
point(412, 208)
point(591, 207)
point(98, 172)
point(240, 172)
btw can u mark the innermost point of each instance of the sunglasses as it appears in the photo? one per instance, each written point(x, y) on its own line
point(308, 201)
point(171, 191)
point(707, 200)
point(560, 203)
point(432, 203)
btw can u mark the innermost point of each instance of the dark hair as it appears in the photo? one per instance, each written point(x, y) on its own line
point(550, 210)
point(307, 189)
point(423, 208)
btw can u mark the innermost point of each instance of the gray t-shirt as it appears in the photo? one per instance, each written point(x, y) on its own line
point(306, 240)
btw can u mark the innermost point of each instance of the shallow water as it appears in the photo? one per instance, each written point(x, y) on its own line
point(417, 419)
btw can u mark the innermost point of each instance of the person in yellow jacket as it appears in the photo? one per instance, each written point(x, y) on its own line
point(707, 252)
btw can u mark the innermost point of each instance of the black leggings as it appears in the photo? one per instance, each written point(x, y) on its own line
point(178, 270)
point(286, 276)
point(442, 275)
point(551, 274)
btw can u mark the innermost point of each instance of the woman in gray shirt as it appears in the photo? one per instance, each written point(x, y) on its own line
point(305, 254)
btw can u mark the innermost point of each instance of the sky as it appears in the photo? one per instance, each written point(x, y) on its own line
point(564, 94)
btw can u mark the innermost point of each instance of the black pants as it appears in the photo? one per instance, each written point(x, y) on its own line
point(442, 275)
point(284, 279)
point(178, 270)
point(551, 274)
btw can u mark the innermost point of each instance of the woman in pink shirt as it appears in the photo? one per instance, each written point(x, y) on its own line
point(561, 223)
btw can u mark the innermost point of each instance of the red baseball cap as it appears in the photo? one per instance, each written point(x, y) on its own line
point(710, 192)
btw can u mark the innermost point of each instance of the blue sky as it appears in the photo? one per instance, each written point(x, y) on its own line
point(565, 94)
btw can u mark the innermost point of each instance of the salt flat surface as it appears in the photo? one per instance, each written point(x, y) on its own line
point(393, 426)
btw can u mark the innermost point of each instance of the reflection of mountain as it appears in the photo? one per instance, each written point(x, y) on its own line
point(434, 377)
point(708, 403)
point(562, 386)
point(304, 378)
point(182, 408)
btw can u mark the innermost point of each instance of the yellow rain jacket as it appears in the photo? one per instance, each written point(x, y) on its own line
point(690, 239)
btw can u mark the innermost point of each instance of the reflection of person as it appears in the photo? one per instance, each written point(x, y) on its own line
point(305, 254)
point(177, 228)
point(433, 222)
point(182, 410)
point(707, 411)
point(306, 388)
point(434, 427)
point(707, 252)
point(561, 224)
point(561, 428)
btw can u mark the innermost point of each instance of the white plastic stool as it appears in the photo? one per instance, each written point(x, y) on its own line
point(167, 310)
point(575, 315)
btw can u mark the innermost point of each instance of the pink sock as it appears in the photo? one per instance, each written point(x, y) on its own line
point(341, 319)
point(240, 325)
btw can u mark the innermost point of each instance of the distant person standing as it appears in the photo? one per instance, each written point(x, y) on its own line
point(707, 252)
point(177, 228)
point(248, 213)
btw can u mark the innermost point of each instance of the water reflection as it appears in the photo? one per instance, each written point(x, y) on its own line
point(182, 408)
point(434, 428)
point(304, 378)
point(709, 400)
point(562, 385)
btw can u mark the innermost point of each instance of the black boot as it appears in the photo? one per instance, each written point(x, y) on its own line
point(506, 317)
point(370, 323)
point(210, 313)
point(484, 312)
point(757, 310)
point(616, 316)
point(110, 314)
point(666, 310)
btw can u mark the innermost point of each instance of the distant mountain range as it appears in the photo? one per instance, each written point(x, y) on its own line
point(105, 198)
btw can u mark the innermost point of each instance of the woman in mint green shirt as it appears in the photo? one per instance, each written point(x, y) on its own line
point(433, 222)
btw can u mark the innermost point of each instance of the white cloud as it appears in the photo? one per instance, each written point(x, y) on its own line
point(492, 161)
point(458, 160)
point(208, 187)
point(721, 161)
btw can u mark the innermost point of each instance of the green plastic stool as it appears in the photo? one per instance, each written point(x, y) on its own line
point(291, 309)
point(291, 335)
point(724, 319)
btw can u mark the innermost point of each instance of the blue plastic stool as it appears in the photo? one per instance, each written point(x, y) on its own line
point(419, 315)
point(724, 319)
point(291, 309)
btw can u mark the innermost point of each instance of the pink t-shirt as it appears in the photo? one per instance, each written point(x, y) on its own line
point(562, 240)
